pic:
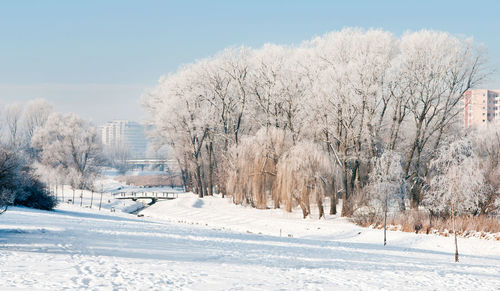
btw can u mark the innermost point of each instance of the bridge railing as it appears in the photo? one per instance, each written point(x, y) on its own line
point(146, 195)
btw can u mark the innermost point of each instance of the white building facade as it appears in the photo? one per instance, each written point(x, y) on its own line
point(125, 134)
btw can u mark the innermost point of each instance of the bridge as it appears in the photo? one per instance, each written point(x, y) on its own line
point(155, 164)
point(154, 196)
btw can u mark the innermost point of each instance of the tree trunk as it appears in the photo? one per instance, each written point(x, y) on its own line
point(321, 209)
point(211, 170)
point(304, 209)
point(100, 201)
point(189, 186)
point(333, 199)
point(415, 195)
point(204, 183)
point(385, 220)
point(222, 190)
point(198, 177)
point(455, 233)
point(354, 175)
point(345, 196)
point(91, 198)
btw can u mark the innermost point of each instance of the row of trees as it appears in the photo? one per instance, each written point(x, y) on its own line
point(355, 113)
point(40, 147)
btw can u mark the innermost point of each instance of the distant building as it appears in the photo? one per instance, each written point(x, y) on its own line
point(481, 107)
point(125, 134)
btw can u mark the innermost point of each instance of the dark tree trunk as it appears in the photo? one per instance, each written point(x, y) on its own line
point(345, 196)
point(198, 178)
point(333, 199)
point(211, 170)
point(91, 198)
point(321, 209)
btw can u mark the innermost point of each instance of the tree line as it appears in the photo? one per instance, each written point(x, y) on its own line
point(359, 115)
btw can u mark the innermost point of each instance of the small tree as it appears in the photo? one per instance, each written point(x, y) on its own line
point(457, 183)
point(387, 182)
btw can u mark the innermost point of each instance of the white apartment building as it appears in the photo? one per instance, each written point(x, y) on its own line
point(125, 133)
point(481, 107)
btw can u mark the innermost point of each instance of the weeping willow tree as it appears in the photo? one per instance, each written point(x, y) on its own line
point(303, 177)
point(252, 167)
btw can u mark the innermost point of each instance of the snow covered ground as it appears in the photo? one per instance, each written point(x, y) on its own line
point(210, 244)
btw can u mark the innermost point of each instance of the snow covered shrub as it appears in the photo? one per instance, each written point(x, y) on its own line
point(10, 166)
point(486, 143)
point(304, 176)
point(457, 182)
point(33, 193)
point(366, 216)
point(252, 167)
point(18, 186)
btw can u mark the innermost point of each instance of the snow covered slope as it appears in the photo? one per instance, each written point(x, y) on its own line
point(218, 213)
point(81, 248)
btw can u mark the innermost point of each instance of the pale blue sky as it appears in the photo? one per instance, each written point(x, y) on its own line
point(95, 58)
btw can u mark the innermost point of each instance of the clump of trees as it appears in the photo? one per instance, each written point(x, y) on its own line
point(68, 151)
point(117, 156)
point(39, 148)
point(356, 113)
point(19, 184)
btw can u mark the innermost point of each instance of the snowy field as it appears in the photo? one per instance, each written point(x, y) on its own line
point(210, 244)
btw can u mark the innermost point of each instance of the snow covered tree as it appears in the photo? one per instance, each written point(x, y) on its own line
point(387, 183)
point(36, 113)
point(437, 69)
point(10, 166)
point(13, 115)
point(354, 67)
point(117, 156)
point(355, 93)
point(486, 143)
point(456, 185)
point(69, 143)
